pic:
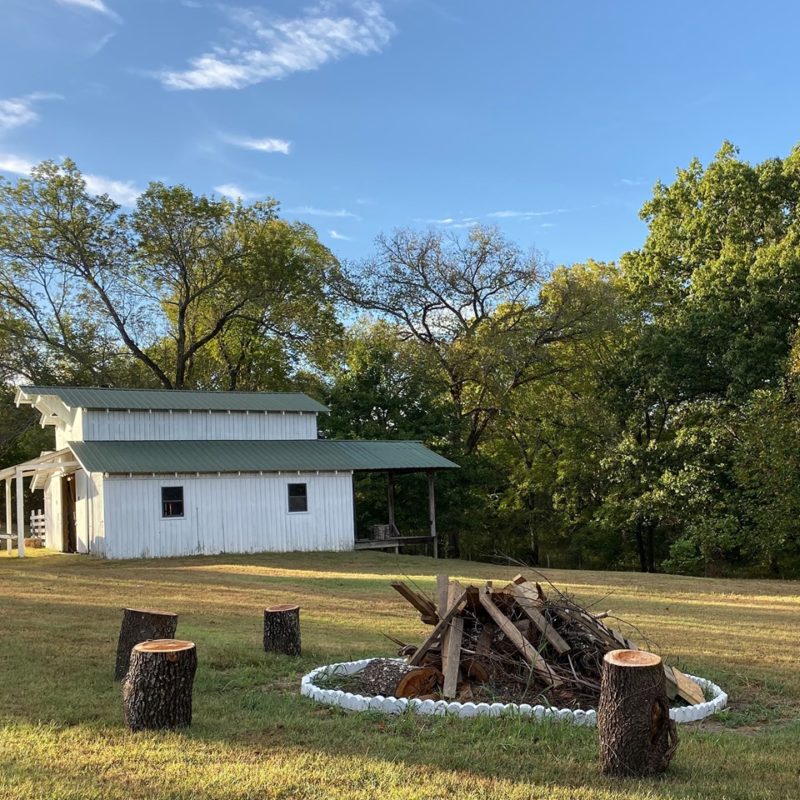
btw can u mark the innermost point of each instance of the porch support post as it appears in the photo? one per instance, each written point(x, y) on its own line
point(390, 497)
point(432, 513)
point(20, 516)
point(8, 513)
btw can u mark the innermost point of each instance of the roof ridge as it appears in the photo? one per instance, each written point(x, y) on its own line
point(158, 389)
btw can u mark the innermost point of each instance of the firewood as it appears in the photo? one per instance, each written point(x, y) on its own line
point(527, 601)
point(417, 681)
point(529, 652)
point(426, 609)
point(416, 659)
point(451, 651)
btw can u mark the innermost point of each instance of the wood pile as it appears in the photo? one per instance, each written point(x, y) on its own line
point(513, 643)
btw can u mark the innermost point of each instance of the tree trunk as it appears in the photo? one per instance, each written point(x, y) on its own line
point(139, 625)
point(282, 630)
point(157, 691)
point(637, 737)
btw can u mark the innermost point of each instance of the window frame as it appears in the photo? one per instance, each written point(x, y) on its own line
point(290, 497)
point(182, 502)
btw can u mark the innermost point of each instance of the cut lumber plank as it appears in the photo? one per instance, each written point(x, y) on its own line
point(438, 630)
point(528, 651)
point(420, 602)
point(527, 601)
point(688, 689)
point(451, 646)
point(443, 593)
point(483, 647)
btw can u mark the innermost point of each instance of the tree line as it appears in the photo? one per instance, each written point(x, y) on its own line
point(642, 414)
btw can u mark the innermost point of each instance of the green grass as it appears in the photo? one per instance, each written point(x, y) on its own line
point(253, 736)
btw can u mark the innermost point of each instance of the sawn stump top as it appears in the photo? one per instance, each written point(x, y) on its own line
point(632, 658)
point(163, 646)
point(284, 607)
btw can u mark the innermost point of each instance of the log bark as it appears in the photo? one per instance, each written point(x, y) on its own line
point(140, 625)
point(282, 630)
point(157, 690)
point(637, 737)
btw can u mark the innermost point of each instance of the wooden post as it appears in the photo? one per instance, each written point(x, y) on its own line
point(390, 500)
point(20, 516)
point(8, 514)
point(282, 629)
point(432, 513)
point(140, 625)
point(157, 691)
point(637, 737)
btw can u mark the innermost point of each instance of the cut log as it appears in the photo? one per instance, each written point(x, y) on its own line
point(528, 651)
point(637, 737)
point(282, 629)
point(140, 625)
point(418, 681)
point(391, 678)
point(157, 690)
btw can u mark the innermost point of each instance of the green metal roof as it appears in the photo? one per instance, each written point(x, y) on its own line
point(256, 456)
point(175, 399)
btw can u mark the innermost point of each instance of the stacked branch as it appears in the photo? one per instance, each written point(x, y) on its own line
point(512, 643)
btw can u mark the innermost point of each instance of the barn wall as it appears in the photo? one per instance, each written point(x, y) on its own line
point(227, 514)
point(149, 425)
point(70, 430)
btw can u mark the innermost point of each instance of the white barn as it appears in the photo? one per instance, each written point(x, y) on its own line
point(148, 473)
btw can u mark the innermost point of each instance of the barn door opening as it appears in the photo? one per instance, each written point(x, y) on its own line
point(69, 527)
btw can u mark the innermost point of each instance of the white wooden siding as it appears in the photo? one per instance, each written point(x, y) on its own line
point(163, 425)
point(226, 514)
point(53, 538)
point(69, 430)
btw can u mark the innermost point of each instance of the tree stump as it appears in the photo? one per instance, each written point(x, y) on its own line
point(157, 691)
point(282, 630)
point(637, 737)
point(140, 625)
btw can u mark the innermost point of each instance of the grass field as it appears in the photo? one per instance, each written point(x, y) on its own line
point(254, 737)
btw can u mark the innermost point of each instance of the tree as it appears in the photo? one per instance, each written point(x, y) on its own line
point(186, 288)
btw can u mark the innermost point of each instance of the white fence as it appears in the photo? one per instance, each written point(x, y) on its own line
point(37, 525)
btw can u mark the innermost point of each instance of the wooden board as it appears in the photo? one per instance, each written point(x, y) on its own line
point(440, 628)
point(688, 689)
point(420, 602)
point(451, 646)
point(527, 600)
point(528, 651)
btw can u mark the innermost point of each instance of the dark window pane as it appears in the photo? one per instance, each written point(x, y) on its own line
point(298, 497)
point(172, 501)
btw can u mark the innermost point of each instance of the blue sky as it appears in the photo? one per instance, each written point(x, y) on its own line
point(552, 120)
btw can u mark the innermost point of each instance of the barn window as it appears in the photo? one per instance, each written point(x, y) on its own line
point(172, 501)
point(298, 497)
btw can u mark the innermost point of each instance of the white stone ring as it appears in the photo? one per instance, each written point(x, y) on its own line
point(397, 705)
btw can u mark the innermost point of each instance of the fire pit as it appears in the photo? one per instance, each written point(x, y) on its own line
point(513, 649)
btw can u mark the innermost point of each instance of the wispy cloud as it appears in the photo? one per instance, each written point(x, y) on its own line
point(122, 192)
point(267, 145)
point(633, 181)
point(97, 6)
point(340, 236)
point(453, 222)
point(270, 49)
point(16, 165)
point(313, 211)
point(233, 192)
point(525, 214)
point(18, 111)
